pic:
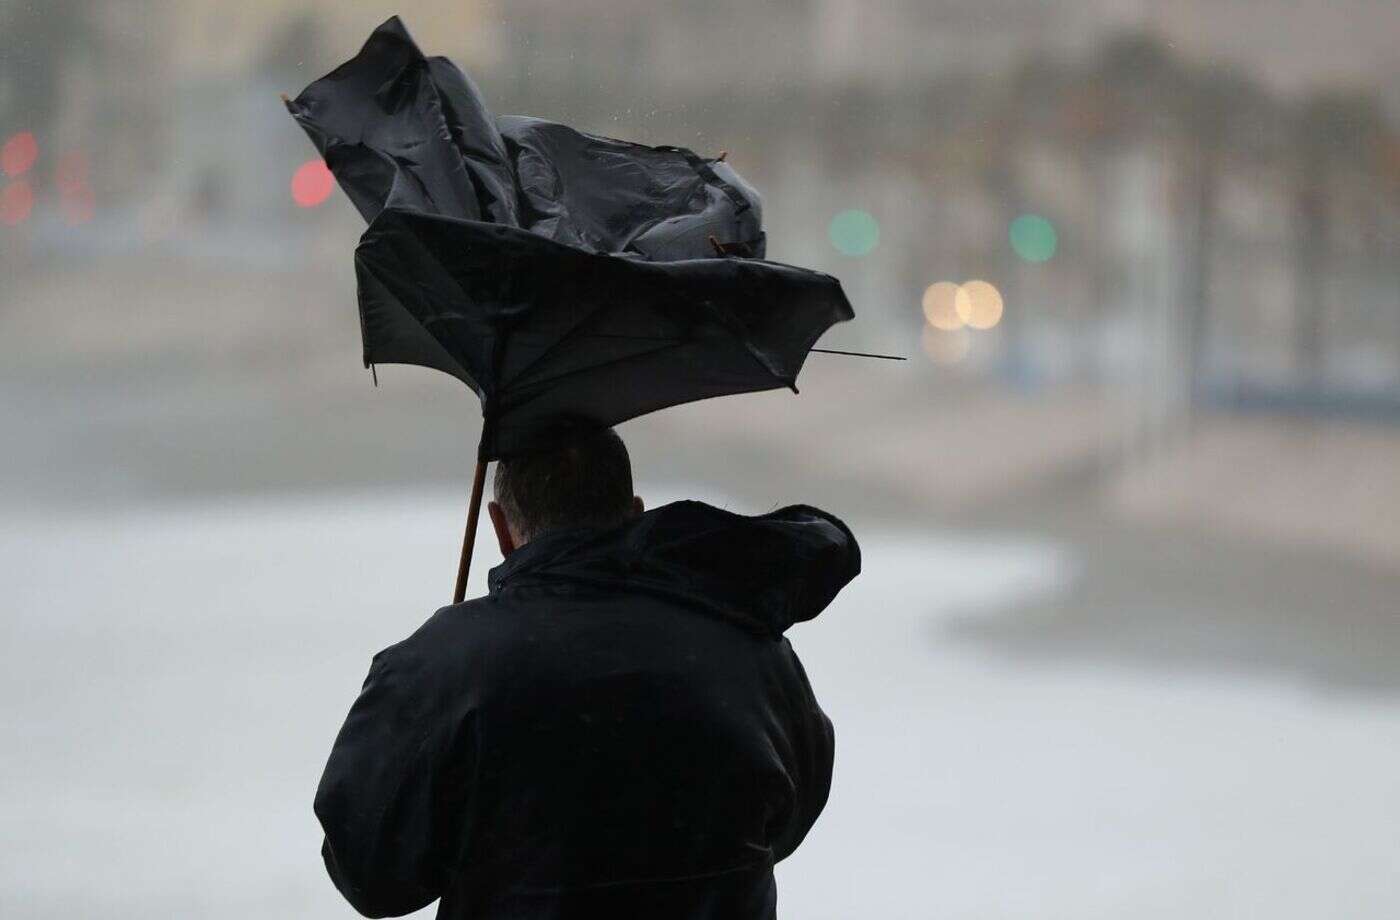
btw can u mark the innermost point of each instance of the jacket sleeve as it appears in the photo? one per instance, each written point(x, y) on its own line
point(810, 758)
point(388, 810)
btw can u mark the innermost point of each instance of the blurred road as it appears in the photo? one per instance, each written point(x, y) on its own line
point(176, 674)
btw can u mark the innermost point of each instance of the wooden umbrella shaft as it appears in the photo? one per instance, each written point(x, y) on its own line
point(469, 540)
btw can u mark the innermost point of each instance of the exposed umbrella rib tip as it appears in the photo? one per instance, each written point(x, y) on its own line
point(860, 354)
point(719, 247)
point(722, 155)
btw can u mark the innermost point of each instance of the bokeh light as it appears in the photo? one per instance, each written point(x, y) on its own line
point(940, 306)
point(18, 154)
point(946, 346)
point(979, 304)
point(312, 183)
point(1033, 238)
point(16, 201)
point(854, 232)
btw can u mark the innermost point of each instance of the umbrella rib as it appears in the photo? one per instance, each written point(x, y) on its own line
point(859, 354)
point(533, 389)
point(776, 384)
point(823, 351)
point(568, 336)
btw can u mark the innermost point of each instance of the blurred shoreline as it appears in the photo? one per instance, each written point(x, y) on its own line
point(1174, 576)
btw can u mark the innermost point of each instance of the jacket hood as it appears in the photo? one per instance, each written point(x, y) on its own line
point(762, 572)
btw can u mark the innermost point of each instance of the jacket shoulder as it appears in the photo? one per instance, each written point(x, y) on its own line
point(445, 630)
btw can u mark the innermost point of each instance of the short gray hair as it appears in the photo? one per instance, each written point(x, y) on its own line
point(583, 479)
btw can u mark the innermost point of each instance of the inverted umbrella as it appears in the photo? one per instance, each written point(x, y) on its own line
point(572, 281)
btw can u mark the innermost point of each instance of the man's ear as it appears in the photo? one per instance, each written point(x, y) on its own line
point(638, 506)
point(498, 523)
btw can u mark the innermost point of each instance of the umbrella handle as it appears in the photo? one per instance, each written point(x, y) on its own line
point(469, 540)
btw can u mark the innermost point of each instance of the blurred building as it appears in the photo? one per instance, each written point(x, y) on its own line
point(1220, 185)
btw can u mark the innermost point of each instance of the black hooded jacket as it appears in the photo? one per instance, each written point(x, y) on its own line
point(618, 729)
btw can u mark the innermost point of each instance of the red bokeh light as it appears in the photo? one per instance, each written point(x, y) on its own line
point(19, 153)
point(16, 201)
point(312, 184)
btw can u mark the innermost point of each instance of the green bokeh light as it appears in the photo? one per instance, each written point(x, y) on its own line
point(1033, 237)
point(854, 233)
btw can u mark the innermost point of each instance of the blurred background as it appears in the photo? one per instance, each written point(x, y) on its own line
point(1127, 643)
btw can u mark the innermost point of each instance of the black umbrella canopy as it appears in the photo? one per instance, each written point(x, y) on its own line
point(568, 279)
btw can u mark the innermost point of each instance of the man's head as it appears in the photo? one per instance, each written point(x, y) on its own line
point(581, 480)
